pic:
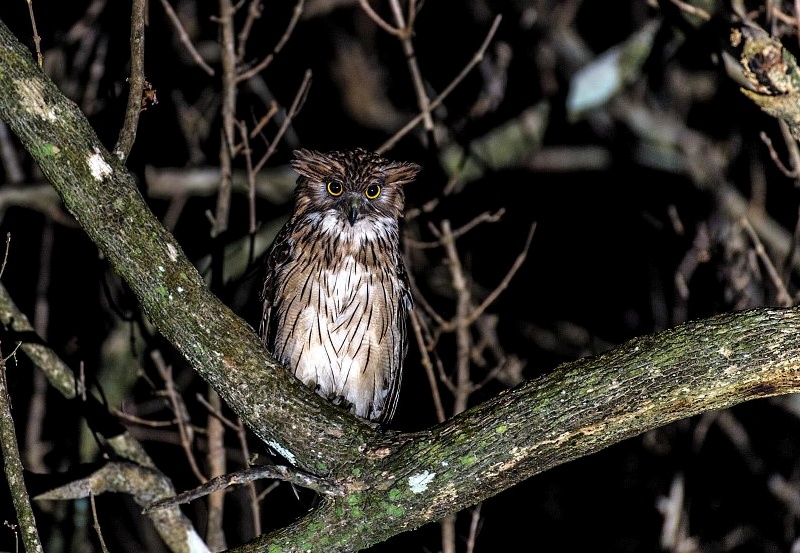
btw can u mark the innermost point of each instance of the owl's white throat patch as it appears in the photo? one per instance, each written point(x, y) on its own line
point(366, 229)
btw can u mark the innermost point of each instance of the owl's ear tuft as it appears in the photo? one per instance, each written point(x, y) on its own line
point(400, 172)
point(313, 165)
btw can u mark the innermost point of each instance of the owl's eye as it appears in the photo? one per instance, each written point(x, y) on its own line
point(373, 191)
point(335, 188)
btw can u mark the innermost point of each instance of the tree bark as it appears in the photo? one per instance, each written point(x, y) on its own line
point(391, 482)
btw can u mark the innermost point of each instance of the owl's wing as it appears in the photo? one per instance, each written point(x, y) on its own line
point(280, 252)
point(404, 305)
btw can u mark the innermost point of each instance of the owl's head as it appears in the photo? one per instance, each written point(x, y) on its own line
point(353, 184)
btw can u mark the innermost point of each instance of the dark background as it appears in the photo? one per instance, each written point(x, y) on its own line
point(601, 268)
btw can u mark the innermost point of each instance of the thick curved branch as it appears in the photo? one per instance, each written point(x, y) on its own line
point(576, 410)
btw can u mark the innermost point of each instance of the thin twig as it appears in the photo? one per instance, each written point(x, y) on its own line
point(228, 112)
point(484, 217)
point(791, 147)
point(217, 466)
point(379, 21)
point(37, 40)
point(127, 417)
point(266, 118)
point(775, 158)
point(183, 36)
point(180, 412)
point(263, 64)
point(460, 320)
point(251, 180)
point(428, 366)
point(793, 247)
point(294, 109)
point(692, 10)
point(96, 523)
point(252, 495)
point(127, 135)
point(474, 525)
point(277, 472)
point(423, 102)
point(478, 311)
point(215, 411)
point(253, 12)
point(783, 296)
point(476, 59)
point(13, 470)
point(5, 254)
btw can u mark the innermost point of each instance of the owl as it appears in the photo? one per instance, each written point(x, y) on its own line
point(336, 293)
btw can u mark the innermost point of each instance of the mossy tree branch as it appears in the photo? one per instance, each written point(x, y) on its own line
point(392, 482)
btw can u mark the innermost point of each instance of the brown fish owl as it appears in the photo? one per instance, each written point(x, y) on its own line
point(336, 294)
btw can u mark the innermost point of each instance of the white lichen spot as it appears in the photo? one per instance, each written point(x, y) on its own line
point(419, 482)
point(285, 453)
point(180, 289)
point(161, 269)
point(195, 542)
point(98, 166)
point(725, 352)
point(32, 91)
point(172, 252)
point(731, 369)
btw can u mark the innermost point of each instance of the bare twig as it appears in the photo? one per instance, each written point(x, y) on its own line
point(428, 366)
point(255, 507)
point(13, 470)
point(228, 112)
point(251, 179)
point(775, 158)
point(96, 524)
point(476, 59)
point(180, 412)
point(5, 254)
point(266, 118)
point(478, 311)
point(288, 474)
point(460, 321)
point(423, 102)
point(692, 10)
point(185, 40)
point(474, 526)
point(484, 217)
point(379, 21)
point(244, 75)
point(294, 109)
point(216, 411)
point(37, 40)
point(783, 296)
point(253, 12)
point(127, 135)
point(215, 535)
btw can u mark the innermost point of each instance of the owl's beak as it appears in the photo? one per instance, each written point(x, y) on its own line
point(352, 215)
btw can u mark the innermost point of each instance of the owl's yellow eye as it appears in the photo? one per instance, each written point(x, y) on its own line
point(335, 188)
point(373, 191)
